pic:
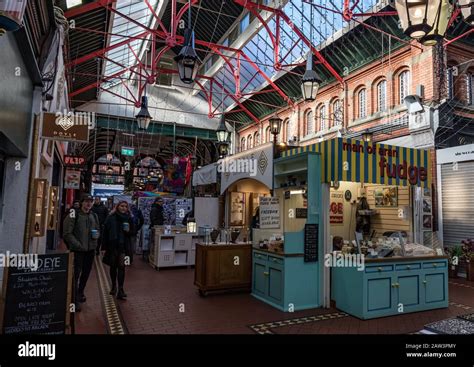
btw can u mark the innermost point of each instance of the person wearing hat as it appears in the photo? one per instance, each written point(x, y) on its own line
point(81, 232)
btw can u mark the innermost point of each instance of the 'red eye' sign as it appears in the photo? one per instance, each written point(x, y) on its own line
point(74, 161)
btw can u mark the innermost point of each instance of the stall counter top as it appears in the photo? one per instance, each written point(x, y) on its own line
point(404, 258)
point(220, 244)
point(277, 253)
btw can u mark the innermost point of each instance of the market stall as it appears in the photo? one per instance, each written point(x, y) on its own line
point(354, 222)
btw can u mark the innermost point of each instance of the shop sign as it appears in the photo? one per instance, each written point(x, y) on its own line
point(269, 212)
point(67, 127)
point(127, 151)
point(336, 208)
point(72, 179)
point(74, 161)
point(456, 154)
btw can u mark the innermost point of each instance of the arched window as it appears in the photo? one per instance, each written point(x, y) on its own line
point(338, 112)
point(287, 131)
point(267, 134)
point(382, 96)
point(450, 92)
point(403, 86)
point(242, 144)
point(322, 118)
point(470, 88)
point(362, 104)
point(249, 142)
point(309, 122)
point(256, 139)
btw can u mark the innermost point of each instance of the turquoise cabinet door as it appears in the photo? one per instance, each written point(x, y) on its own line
point(434, 287)
point(379, 293)
point(260, 279)
point(275, 284)
point(408, 291)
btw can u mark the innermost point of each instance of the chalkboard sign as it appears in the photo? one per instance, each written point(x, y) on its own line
point(311, 233)
point(301, 212)
point(36, 300)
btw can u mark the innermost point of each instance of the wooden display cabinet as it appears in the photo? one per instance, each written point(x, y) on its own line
point(223, 267)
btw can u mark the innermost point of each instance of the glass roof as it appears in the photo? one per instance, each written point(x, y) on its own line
point(260, 49)
point(137, 10)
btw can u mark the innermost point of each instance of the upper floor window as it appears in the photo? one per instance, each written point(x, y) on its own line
point(450, 83)
point(267, 134)
point(322, 118)
point(362, 104)
point(256, 139)
point(382, 96)
point(309, 122)
point(337, 111)
point(470, 88)
point(249, 142)
point(242, 144)
point(404, 85)
point(287, 130)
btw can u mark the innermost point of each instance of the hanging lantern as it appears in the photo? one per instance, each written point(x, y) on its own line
point(191, 225)
point(467, 10)
point(443, 14)
point(417, 17)
point(187, 59)
point(310, 81)
point(11, 15)
point(367, 136)
point(222, 132)
point(143, 117)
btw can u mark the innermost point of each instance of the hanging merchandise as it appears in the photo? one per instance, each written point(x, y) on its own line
point(175, 175)
point(11, 15)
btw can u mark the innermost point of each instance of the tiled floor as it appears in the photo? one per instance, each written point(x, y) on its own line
point(167, 302)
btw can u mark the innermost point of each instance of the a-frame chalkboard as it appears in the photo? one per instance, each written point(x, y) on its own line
point(37, 301)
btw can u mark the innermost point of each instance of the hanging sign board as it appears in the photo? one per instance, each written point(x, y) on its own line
point(36, 294)
point(66, 127)
point(127, 151)
point(269, 212)
point(72, 179)
point(71, 161)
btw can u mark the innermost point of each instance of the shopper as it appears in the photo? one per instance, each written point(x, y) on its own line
point(118, 232)
point(157, 217)
point(102, 212)
point(81, 232)
point(138, 220)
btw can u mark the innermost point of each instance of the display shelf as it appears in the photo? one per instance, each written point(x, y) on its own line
point(180, 258)
point(292, 172)
point(167, 244)
point(169, 250)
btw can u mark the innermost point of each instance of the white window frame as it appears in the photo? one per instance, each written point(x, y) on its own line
point(362, 103)
point(404, 85)
point(382, 96)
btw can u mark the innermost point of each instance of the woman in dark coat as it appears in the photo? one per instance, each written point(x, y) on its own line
point(118, 232)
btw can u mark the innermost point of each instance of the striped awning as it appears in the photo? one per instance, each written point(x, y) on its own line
point(358, 161)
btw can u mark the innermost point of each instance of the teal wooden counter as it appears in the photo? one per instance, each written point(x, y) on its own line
point(391, 286)
point(285, 281)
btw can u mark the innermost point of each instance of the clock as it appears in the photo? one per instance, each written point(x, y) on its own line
point(348, 195)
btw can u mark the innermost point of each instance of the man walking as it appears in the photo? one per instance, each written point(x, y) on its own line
point(81, 232)
point(157, 217)
point(102, 212)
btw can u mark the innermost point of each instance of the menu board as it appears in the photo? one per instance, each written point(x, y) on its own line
point(269, 212)
point(36, 299)
point(311, 234)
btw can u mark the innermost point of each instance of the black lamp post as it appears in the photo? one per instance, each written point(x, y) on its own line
point(310, 81)
point(275, 127)
point(223, 149)
point(187, 59)
point(143, 117)
point(417, 17)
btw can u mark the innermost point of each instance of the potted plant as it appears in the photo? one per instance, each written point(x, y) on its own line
point(468, 256)
point(455, 255)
